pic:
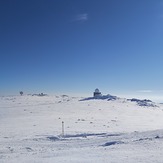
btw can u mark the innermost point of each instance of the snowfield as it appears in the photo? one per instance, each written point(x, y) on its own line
point(95, 131)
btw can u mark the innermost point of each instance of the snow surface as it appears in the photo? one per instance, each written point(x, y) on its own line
point(95, 130)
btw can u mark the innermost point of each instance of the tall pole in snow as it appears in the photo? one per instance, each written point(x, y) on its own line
point(62, 128)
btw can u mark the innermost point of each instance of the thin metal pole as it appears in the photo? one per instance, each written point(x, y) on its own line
point(62, 128)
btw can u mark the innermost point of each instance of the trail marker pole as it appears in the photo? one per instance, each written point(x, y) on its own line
point(62, 128)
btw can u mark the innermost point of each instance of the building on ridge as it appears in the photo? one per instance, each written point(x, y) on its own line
point(97, 93)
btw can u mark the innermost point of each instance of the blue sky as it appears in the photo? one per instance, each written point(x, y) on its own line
point(74, 46)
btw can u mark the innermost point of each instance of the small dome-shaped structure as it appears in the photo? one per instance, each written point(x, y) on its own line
point(97, 93)
point(97, 90)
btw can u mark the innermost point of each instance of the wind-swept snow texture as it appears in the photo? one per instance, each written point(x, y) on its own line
point(95, 131)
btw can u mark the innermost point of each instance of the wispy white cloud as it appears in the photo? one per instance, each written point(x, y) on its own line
point(81, 17)
point(145, 91)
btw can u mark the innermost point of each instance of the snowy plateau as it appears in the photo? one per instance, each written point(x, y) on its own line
point(95, 130)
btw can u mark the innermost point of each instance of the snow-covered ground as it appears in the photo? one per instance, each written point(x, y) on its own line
point(94, 130)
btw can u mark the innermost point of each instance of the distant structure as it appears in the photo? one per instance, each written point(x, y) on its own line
point(21, 93)
point(97, 93)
